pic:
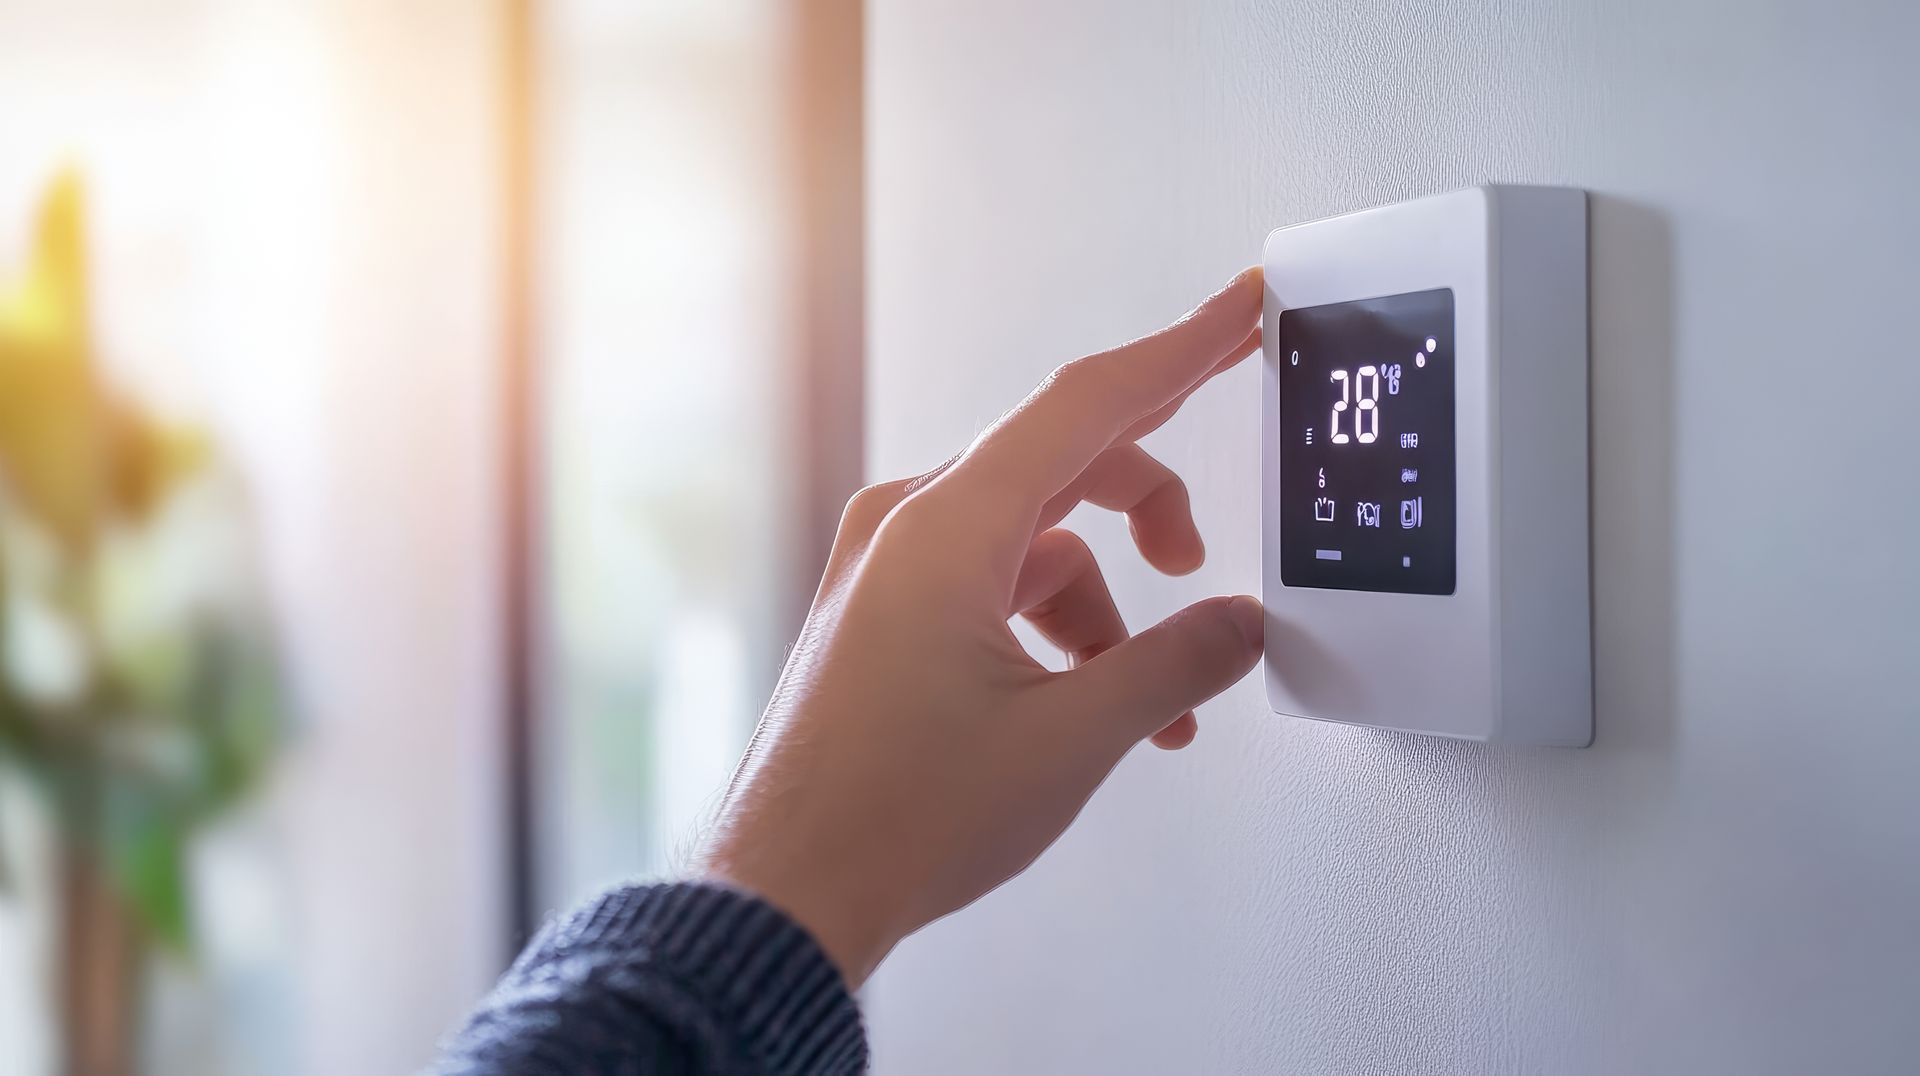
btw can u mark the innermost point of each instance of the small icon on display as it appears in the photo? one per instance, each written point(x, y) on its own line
point(1410, 514)
point(1326, 554)
point(1323, 510)
point(1392, 371)
point(1296, 358)
point(1432, 344)
point(1406, 562)
point(1366, 514)
point(1309, 434)
point(1409, 440)
point(1408, 474)
point(1420, 359)
point(1323, 478)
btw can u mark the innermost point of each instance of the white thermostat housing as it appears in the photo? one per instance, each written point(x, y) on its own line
point(1425, 467)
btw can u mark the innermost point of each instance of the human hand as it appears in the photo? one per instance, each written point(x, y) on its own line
point(914, 756)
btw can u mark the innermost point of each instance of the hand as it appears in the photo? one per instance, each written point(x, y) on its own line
point(914, 756)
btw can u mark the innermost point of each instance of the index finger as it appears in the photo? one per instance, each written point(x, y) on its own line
point(1038, 448)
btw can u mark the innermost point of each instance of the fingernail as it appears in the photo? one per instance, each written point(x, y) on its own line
point(1248, 616)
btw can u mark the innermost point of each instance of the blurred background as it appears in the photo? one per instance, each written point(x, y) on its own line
point(420, 428)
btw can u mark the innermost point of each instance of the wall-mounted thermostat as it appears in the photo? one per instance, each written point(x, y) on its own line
point(1425, 469)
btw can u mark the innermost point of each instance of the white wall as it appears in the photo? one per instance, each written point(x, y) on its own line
point(1729, 880)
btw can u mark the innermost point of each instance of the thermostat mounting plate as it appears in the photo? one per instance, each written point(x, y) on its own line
point(1424, 467)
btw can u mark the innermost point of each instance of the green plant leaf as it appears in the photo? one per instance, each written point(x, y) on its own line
point(146, 846)
point(6, 869)
point(182, 707)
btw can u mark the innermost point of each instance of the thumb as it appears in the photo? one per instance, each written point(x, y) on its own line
point(1134, 689)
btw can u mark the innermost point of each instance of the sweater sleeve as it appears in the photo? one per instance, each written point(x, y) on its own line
point(665, 979)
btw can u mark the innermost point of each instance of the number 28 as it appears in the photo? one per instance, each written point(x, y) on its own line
point(1366, 386)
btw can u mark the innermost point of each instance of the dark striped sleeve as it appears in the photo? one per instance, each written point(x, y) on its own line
point(665, 979)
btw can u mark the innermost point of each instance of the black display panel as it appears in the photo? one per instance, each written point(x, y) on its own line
point(1367, 445)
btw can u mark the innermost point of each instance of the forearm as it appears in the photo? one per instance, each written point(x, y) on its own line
point(688, 978)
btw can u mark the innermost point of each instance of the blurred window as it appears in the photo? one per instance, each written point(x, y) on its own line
point(675, 478)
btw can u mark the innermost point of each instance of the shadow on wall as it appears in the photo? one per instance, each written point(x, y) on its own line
point(1632, 388)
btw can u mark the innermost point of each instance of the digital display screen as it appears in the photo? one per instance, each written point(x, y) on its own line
point(1367, 445)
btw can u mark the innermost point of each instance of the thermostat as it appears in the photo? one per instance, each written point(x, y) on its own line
point(1424, 467)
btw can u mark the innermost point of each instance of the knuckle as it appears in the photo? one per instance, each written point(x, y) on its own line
point(859, 518)
point(909, 516)
point(1170, 488)
point(1074, 378)
point(871, 502)
point(1072, 548)
point(871, 505)
point(866, 513)
point(1042, 612)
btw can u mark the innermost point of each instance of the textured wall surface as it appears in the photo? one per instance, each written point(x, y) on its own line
point(1729, 880)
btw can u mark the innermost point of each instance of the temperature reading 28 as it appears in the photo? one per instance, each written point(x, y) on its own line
point(1362, 393)
point(1367, 491)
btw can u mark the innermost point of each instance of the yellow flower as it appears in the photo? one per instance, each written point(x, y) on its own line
point(72, 453)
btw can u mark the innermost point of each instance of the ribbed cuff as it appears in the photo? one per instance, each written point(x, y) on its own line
point(758, 971)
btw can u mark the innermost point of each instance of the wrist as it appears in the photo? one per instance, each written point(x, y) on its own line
point(850, 930)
